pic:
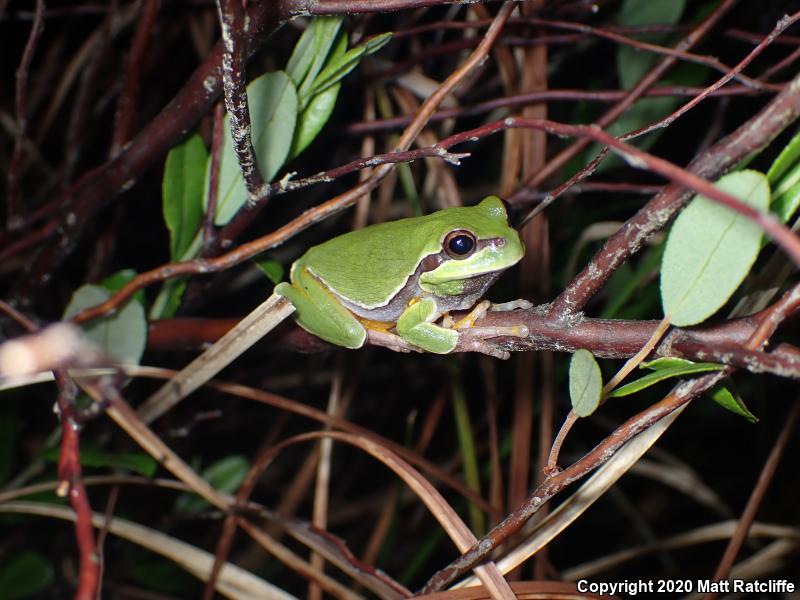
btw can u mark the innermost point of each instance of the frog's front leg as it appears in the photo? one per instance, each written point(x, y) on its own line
point(416, 326)
point(473, 338)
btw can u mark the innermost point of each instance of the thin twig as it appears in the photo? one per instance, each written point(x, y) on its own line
point(13, 206)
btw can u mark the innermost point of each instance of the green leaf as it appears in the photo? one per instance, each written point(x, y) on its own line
point(341, 62)
point(24, 574)
point(731, 401)
point(273, 112)
point(665, 362)
point(302, 55)
point(585, 383)
point(337, 69)
point(377, 42)
point(786, 160)
point(328, 42)
point(312, 49)
point(140, 463)
point(271, 268)
point(313, 119)
point(710, 250)
point(662, 374)
point(169, 298)
point(116, 281)
point(122, 334)
point(226, 475)
point(632, 64)
point(182, 193)
point(785, 205)
point(314, 86)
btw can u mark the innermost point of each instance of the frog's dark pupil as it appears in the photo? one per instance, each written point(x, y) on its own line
point(461, 244)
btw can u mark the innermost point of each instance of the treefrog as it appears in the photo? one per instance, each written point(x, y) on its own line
point(405, 275)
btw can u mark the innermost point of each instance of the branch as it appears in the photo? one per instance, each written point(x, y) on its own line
point(748, 139)
point(553, 95)
point(91, 193)
point(600, 454)
point(656, 73)
point(778, 114)
point(71, 485)
point(232, 23)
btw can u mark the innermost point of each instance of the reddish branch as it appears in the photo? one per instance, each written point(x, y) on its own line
point(779, 28)
point(593, 459)
point(69, 473)
point(747, 140)
point(654, 75)
point(82, 201)
point(683, 393)
point(750, 138)
point(519, 100)
point(721, 342)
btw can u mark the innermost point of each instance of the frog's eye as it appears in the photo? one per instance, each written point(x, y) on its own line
point(459, 243)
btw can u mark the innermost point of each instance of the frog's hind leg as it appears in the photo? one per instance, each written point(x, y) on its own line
point(320, 312)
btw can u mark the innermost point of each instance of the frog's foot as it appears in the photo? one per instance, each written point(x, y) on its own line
point(479, 311)
point(390, 340)
point(474, 339)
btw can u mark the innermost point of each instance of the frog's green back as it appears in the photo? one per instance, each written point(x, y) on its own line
point(369, 266)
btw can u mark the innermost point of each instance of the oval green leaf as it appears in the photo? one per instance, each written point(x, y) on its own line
point(182, 193)
point(273, 112)
point(710, 250)
point(123, 334)
point(585, 383)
